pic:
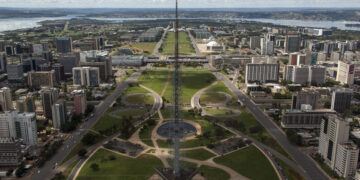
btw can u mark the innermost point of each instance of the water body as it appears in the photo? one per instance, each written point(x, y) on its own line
point(10, 24)
point(310, 23)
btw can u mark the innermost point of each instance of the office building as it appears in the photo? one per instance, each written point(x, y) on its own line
point(304, 119)
point(10, 152)
point(63, 45)
point(5, 99)
point(255, 42)
point(262, 73)
point(19, 125)
point(26, 103)
point(301, 59)
point(3, 63)
point(333, 131)
point(15, 72)
point(301, 75)
point(293, 59)
point(347, 155)
point(267, 46)
point(49, 97)
point(59, 72)
point(341, 100)
point(335, 56)
point(345, 73)
point(41, 78)
point(310, 97)
point(317, 75)
point(86, 76)
point(152, 35)
point(292, 43)
point(69, 61)
point(338, 152)
point(97, 59)
point(59, 116)
point(79, 102)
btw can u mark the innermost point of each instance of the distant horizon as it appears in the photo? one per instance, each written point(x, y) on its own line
point(198, 4)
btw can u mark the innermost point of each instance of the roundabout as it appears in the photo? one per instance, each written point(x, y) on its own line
point(166, 130)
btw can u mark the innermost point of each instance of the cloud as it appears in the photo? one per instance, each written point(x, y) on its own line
point(182, 3)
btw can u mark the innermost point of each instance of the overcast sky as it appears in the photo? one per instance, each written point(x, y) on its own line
point(182, 3)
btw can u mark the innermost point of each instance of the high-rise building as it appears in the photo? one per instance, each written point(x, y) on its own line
point(301, 59)
point(262, 73)
point(305, 75)
point(59, 72)
point(79, 102)
point(69, 61)
point(26, 103)
point(19, 125)
point(49, 97)
point(334, 146)
point(347, 155)
point(5, 99)
point(41, 78)
point(292, 43)
point(317, 75)
point(341, 100)
point(10, 152)
point(310, 97)
point(333, 131)
point(293, 58)
point(86, 76)
point(335, 56)
point(254, 42)
point(3, 63)
point(59, 116)
point(345, 73)
point(64, 45)
point(267, 46)
point(15, 72)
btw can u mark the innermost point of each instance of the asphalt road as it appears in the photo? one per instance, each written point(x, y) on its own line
point(48, 171)
point(309, 167)
point(198, 53)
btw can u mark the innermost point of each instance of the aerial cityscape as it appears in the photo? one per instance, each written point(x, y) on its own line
point(179, 90)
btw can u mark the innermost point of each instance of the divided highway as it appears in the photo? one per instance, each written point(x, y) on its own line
point(309, 167)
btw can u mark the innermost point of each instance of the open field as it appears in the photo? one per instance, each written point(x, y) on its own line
point(120, 168)
point(143, 48)
point(218, 112)
point(140, 99)
point(185, 45)
point(154, 80)
point(192, 81)
point(249, 162)
point(198, 154)
point(145, 135)
point(289, 172)
point(212, 98)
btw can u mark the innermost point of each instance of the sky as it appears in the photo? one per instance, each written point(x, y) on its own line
point(182, 3)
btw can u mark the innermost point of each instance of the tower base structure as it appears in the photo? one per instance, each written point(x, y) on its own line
point(168, 173)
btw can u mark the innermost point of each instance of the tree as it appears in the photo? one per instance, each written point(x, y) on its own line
point(88, 139)
point(89, 109)
point(9, 172)
point(293, 137)
point(82, 152)
point(20, 171)
point(327, 105)
point(58, 176)
point(95, 167)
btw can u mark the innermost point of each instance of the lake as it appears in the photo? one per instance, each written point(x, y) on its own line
point(21, 23)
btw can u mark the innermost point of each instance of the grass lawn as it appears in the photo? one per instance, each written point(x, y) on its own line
point(68, 170)
point(128, 74)
point(198, 154)
point(140, 99)
point(218, 112)
point(192, 82)
point(163, 143)
point(212, 98)
point(290, 173)
point(219, 87)
point(248, 122)
point(143, 48)
point(132, 112)
point(154, 80)
point(185, 45)
point(135, 89)
point(145, 135)
point(121, 168)
point(211, 173)
point(249, 162)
